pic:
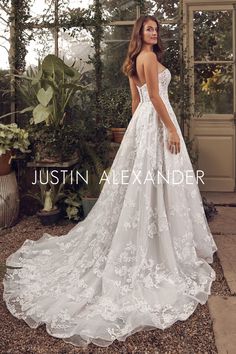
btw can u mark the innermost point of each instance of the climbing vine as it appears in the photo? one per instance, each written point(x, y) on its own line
point(93, 20)
point(20, 37)
point(97, 31)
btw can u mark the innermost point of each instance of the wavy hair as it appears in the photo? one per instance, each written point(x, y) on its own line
point(135, 45)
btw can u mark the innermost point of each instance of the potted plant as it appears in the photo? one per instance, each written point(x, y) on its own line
point(50, 194)
point(48, 95)
point(73, 205)
point(116, 105)
point(55, 144)
point(12, 139)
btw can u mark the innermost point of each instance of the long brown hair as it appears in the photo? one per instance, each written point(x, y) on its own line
point(135, 45)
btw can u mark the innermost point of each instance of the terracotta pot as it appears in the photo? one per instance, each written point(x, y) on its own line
point(5, 166)
point(118, 134)
point(9, 200)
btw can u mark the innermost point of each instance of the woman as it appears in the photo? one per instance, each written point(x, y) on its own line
point(140, 258)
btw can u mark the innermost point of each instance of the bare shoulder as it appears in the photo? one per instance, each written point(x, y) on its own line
point(150, 57)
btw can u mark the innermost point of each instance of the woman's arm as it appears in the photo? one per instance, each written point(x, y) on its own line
point(151, 77)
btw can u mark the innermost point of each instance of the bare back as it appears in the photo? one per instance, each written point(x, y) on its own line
point(140, 78)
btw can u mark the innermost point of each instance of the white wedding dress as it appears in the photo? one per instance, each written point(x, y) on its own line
point(138, 261)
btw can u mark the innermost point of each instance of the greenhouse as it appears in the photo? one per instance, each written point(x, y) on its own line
point(99, 98)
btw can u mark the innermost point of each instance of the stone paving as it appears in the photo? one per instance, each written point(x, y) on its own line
point(223, 308)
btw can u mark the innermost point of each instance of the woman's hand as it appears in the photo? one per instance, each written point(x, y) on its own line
point(173, 141)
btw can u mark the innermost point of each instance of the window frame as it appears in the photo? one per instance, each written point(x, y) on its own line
point(209, 5)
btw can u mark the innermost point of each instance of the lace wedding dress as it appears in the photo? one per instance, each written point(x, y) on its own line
point(138, 261)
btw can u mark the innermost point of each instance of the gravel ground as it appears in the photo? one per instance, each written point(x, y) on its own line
point(193, 336)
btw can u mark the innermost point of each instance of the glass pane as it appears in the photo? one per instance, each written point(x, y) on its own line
point(213, 85)
point(162, 9)
point(38, 7)
point(169, 32)
point(113, 58)
point(115, 49)
point(118, 33)
point(4, 47)
point(171, 60)
point(47, 8)
point(213, 35)
point(66, 5)
point(82, 4)
point(41, 45)
point(120, 10)
point(170, 39)
point(75, 45)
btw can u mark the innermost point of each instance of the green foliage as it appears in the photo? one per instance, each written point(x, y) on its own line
point(73, 205)
point(5, 97)
point(209, 208)
point(94, 19)
point(213, 35)
point(49, 93)
point(58, 143)
point(95, 167)
point(116, 108)
point(96, 135)
point(12, 137)
point(21, 38)
point(27, 89)
point(56, 85)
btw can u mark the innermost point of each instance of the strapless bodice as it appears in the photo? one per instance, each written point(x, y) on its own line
point(164, 78)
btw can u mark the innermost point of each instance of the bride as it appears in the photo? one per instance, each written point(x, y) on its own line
point(140, 259)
